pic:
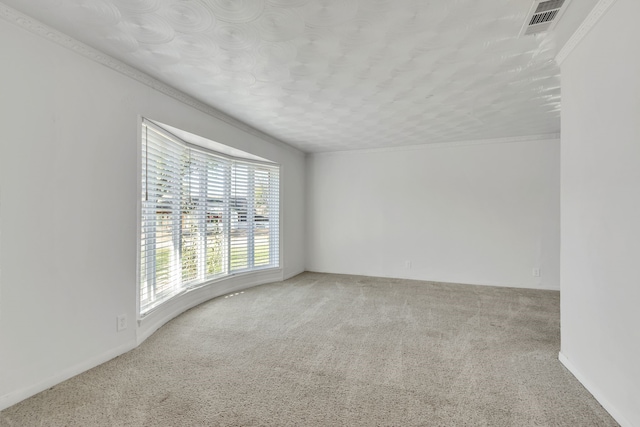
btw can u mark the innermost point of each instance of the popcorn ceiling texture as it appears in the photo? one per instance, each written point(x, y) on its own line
point(327, 75)
point(330, 350)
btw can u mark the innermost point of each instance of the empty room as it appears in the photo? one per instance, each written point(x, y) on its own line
point(319, 212)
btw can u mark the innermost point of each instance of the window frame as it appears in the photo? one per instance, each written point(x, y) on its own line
point(275, 253)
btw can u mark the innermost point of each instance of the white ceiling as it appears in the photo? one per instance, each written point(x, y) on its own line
point(326, 75)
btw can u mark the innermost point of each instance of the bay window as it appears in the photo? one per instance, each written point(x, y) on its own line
point(205, 215)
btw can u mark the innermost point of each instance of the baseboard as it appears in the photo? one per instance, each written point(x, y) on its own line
point(595, 392)
point(539, 287)
point(148, 325)
point(290, 275)
point(17, 396)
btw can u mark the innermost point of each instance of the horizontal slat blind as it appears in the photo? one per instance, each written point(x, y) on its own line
point(241, 217)
point(267, 206)
point(204, 215)
point(164, 165)
point(217, 222)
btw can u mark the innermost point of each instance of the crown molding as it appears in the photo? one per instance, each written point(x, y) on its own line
point(506, 140)
point(38, 28)
point(590, 21)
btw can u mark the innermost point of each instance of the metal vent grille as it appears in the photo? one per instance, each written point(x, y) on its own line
point(549, 5)
point(543, 16)
point(540, 18)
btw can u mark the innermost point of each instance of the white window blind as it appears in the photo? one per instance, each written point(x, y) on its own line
point(204, 215)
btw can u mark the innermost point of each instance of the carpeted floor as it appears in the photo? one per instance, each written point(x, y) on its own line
point(331, 350)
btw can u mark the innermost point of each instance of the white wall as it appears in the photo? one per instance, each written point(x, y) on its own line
point(476, 214)
point(69, 192)
point(600, 297)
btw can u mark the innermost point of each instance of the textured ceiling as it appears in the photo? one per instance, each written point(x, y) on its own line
point(327, 75)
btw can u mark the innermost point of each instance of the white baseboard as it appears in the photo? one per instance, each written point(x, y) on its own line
point(427, 278)
point(148, 325)
point(595, 392)
point(19, 395)
point(293, 274)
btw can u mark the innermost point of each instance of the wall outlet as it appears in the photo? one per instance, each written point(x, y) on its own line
point(535, 272)
point(407, 264)
point(121, 322)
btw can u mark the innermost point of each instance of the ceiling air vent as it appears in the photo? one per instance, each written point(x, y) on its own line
point(542, 16)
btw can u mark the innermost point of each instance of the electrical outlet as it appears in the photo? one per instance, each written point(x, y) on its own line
point(407, 264)
point(121, 322)
point(535, 272)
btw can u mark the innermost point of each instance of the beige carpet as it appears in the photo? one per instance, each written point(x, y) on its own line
point(331, 350)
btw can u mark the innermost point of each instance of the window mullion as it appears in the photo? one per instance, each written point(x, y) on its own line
point(176, 229)
point(251, 223)
point(229, 184)
point(201, 207)
point(274, 214)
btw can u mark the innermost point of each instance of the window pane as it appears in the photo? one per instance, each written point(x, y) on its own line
point(261, 219)
point(216, 220)
point(241, 217)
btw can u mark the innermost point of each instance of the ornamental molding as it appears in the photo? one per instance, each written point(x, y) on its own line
point(38, 28)
point(453, 144)
point(590, 21)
